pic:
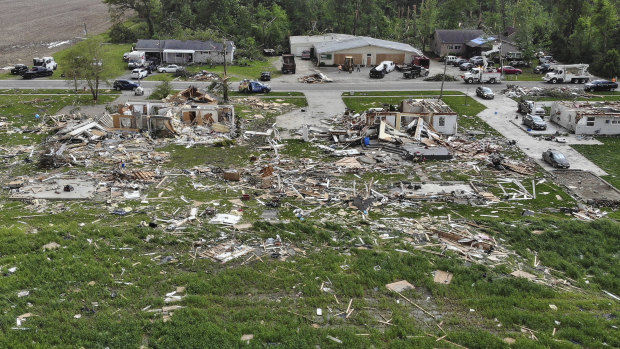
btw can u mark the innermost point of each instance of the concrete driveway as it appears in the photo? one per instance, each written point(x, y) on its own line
point(501, 114)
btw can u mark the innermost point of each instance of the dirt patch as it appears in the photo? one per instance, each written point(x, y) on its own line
point(588, 186)
point(33, 28)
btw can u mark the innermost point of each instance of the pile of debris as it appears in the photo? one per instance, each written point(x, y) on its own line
point(228, 250)
point(205, 76)
point(256, 103)
point(317, 77)
point(566, 92)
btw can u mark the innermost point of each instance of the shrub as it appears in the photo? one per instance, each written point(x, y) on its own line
point(162, 90)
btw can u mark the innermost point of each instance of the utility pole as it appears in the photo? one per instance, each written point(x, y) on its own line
point(443, 78)
point(225, 80)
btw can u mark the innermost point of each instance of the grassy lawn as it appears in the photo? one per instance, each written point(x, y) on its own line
point(235, 72)
point(112, 58)
point(6, 75)
point(400, 93)
point(606, 156)
point(47, 91)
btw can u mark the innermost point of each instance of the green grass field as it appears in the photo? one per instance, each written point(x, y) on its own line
point(235, 72)
point(606, 156)
point(112, 58)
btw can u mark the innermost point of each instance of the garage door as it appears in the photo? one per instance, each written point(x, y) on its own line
point(398, 58)
point(339, 58)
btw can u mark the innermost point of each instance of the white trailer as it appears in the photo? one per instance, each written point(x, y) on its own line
point(136, 59)
point(573, 73)
point(480, 75)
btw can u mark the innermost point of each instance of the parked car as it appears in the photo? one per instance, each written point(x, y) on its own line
point(19, 69)
point(251, 86)
point(518, 64)
point(477, 62)
point(448, 59)
point(534, 122)
point(459, 61)
point(509, 70)
point(305, 54)
point(546, 59)
point(600, 85)
point(125, 85)
point(484, 92)
point(475, 58)
point(37, 72)
point(555, 159)
point(466, 66)
point(170, 68)
point(265, 76)
point(543, 68)
point(138, 73)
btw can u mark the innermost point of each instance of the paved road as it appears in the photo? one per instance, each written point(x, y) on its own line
point(369, 85)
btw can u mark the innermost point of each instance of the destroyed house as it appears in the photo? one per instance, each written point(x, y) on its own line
point(587, 118)
point(160, 116)
point(434, 112)
point(187, 51)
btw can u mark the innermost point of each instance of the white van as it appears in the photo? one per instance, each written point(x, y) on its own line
point(450, 59)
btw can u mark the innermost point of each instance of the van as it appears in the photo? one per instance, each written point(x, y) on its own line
point(450, 59)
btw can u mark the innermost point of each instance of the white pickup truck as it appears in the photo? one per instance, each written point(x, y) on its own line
point(382, 68)
point(46, 62)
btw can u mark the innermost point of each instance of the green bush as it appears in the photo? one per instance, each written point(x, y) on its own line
point(162, 90)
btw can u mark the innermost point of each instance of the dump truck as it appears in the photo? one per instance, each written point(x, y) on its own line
point(422, 61)
point(288, 64)
point(480, 75)
point(414, 71)
point(573, 73)
point(348, 65)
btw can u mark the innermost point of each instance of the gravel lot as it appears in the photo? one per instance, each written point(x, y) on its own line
point(32, 28)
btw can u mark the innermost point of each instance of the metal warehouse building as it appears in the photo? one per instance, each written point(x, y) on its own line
point(303, 43)
point(332, 49)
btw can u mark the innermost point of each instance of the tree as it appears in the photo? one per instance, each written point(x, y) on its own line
point(427, 21)
point(604, 21)
point(87, 64)
point(147, 10)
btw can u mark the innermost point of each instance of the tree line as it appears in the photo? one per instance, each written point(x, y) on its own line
point(573, 31)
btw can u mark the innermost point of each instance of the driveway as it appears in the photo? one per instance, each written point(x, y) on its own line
point(321, 105)
point(501, 114)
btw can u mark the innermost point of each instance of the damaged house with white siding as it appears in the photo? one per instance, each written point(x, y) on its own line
point(587, 118)
point(187, 51)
